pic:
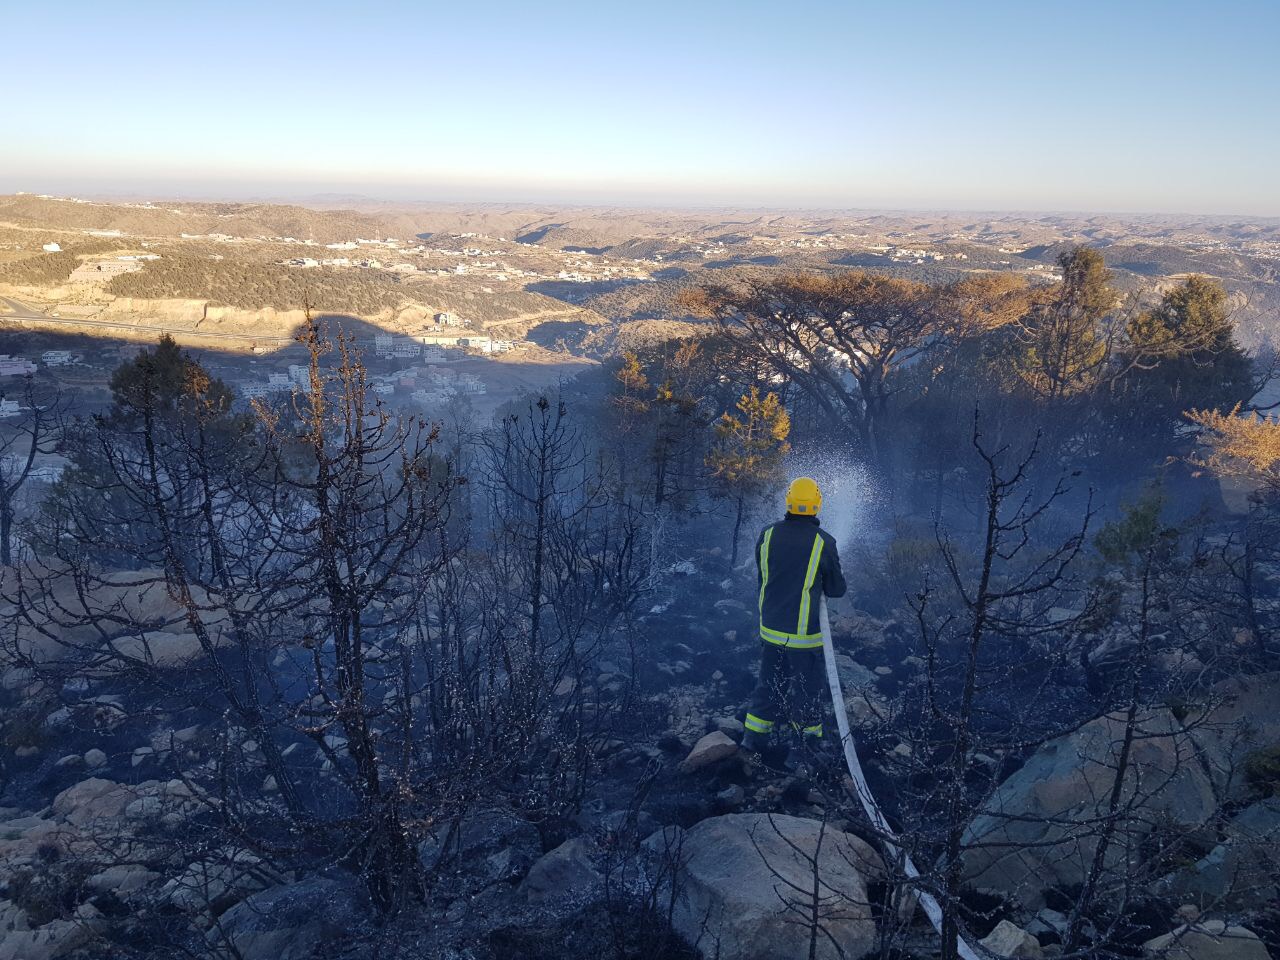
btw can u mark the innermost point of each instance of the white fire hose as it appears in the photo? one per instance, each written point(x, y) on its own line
point(888, 840)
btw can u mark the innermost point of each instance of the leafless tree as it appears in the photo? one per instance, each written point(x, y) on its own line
point(35, 432)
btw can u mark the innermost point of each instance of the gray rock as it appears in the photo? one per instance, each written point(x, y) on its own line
point(731, 904)
point(95, 758)
point(215, 883)
point(1032, 844)
point(57, 938)
point(477, 838)
point(16, 678)
point(123, 880)
point(732, 797)
point(730, 726)
point(714, 746)
point(1243, 869)
point(290, 922)
point(567, 874)
point(1212, 940)
point(618, 822)
point(93, 800)
point(12, 917)
point(1010, 940)
point(144, 808)
point(1048, 922)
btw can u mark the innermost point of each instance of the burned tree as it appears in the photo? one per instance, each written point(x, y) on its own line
point(983, 633)
point(271, 571)
point(36, 432)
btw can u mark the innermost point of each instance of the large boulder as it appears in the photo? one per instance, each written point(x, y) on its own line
point(73, 615)
point(1213, 940)
point(741, 878)
point(1039, 830)
point(94, 801)
point(289, 922)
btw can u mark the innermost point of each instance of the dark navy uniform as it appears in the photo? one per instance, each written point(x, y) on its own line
point(796, 563)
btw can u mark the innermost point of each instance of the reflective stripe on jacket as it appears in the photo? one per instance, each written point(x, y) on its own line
point(796, 563)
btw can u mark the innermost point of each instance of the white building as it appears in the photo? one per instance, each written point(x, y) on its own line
point(15, 366)
point(51, 248)
point(279, 381)
point(406, 349)
point(439, 339)
point(9, 408)
point(429, 397)
point(300, 374)
point(384, 388)
point(383, 343)
point(56, 358)
point(483, 344)
point(448, 320)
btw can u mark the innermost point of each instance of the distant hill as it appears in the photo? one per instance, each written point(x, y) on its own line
point(567, 266)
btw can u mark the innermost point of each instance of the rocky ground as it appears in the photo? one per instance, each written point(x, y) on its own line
point(684, 849)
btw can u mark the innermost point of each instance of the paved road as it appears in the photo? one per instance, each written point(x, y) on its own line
point(20, 312)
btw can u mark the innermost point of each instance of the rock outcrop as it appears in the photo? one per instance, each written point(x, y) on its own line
point(1040, 830)
point(743, 881)
point(1041, 827)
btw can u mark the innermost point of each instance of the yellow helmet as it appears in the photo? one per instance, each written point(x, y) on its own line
point(804, 497)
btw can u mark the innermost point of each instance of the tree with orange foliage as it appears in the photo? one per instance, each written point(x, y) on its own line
point(1246, 447)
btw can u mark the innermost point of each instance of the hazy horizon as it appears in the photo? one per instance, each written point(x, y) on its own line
point(407, 199)
point(1147, 109)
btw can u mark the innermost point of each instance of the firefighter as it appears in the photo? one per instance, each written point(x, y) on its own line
point(796, 563)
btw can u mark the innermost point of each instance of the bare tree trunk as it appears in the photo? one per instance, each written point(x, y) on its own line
point(737, 532)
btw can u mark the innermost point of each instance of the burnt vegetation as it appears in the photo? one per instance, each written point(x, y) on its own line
point(325, 671)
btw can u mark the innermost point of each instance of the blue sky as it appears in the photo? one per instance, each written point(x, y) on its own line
point(1119, 106)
